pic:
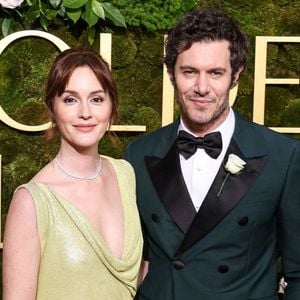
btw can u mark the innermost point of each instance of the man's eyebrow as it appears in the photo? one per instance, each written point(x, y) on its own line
point(187, 67)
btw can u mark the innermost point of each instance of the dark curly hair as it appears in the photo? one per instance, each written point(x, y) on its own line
point(206, 25)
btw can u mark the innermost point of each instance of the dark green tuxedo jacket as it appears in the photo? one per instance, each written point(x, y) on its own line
point(228, 250)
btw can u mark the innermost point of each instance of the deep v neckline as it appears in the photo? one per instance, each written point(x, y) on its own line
point(90, 223)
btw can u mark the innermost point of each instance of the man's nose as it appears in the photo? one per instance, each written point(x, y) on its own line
point(202, 85)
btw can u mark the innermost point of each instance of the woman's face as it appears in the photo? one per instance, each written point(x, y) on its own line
point(83, 111)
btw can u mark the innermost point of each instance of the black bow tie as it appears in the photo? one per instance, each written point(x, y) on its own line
point(188, 144)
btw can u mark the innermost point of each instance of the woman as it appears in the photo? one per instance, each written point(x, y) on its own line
point(73, 231)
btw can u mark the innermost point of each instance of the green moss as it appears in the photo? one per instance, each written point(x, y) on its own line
point(149, 117)
point(283, 60)
point(135, 79)
point(25, 64)
point(10, 142)
point(32, 112)
point(137, 67)
point(277, 99)
point(153, 14)
point(153, 94)
point(291, 114)
point(152, 48)
point(19, 171)
point(244, 106)
point(126, 110)
point(110, 145)
point(124, 50)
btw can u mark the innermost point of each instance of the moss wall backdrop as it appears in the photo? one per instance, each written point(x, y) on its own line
point(137, 67)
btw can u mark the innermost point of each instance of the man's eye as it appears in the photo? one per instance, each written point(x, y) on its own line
point(188, 72)
point(216, 73)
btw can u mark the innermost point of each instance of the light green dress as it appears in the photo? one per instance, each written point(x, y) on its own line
point(75, 261)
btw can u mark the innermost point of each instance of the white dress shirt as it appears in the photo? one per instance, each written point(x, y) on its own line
point(200, 170)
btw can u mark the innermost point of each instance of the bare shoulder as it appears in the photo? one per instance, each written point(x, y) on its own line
point(21, 223)
point(21, 247)
point(45, 175)
point(119, 163)
point(22, 203)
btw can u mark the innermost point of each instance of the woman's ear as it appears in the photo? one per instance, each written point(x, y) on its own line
point(52, 117)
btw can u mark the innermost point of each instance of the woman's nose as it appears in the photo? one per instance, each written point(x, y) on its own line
point(85, 111)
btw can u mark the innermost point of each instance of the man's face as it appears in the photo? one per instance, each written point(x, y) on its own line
point(202, 78)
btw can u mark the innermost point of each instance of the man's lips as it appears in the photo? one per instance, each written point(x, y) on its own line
point(201, 101)
point(199, 98)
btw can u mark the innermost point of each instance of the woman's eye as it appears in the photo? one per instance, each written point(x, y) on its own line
point(97, 99)
point(70, 100)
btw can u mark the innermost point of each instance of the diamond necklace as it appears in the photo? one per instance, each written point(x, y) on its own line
point(98, 171)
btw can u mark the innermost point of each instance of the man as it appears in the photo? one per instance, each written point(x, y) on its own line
point(215, 220)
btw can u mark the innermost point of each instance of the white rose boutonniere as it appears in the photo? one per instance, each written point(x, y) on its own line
point(233, 166)
point(11, 3)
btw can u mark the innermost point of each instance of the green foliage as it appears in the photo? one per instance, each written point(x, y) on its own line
point(153, 55)
point(154, 14)
point(148, 116)
point(135, 80)
point(23, 68)
point(267, 18)
point(45, 12)
point(137, 67)
point(277, 99)
point(31, 112)
point(124, 50)
point(16, 173)
point(110, 145)
point(290, 117)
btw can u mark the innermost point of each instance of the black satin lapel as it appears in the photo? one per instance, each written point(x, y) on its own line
point(215, 208)
point(169, 184)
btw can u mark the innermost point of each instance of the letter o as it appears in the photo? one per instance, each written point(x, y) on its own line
point(60, 44)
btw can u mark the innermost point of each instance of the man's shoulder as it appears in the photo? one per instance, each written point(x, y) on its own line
point(152, 138)
point(156, 143)
point(262, 133)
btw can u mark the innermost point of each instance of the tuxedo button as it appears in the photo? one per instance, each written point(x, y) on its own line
point(243, 221)
point(223, 269)
point(155, 218)
point(178, 264)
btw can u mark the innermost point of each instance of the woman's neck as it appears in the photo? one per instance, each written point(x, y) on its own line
point(79, 165)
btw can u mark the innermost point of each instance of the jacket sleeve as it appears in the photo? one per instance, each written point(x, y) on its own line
point(129, 157)
point(289, 227)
